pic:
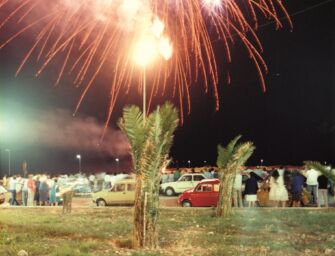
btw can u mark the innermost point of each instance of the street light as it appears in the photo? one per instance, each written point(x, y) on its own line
point(262, 162)
point(79, 162)
point(117, 163)
point(8, 151)
point(151, 44)
point(205, 162)
point(189, 163)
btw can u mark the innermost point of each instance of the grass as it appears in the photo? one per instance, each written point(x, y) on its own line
point(181, 232)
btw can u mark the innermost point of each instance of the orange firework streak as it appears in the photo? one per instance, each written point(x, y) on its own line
point(97, 34)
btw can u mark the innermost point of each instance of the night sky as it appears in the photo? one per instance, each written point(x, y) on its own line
point(293, 121)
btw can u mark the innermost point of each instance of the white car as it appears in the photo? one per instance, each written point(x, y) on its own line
point(185, 182)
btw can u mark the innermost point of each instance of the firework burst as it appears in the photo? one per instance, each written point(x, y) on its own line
point(116, 35)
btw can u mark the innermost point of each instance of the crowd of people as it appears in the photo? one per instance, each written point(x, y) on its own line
point(255, 187)
point(298, 188)
point(33, 190)
point(46, 190)
point(270, 186)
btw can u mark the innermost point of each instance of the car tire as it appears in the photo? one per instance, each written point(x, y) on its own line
point(186, 203)
point(101, 203)
point(169, 191)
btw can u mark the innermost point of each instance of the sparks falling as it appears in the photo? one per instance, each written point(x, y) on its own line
point(121, 35)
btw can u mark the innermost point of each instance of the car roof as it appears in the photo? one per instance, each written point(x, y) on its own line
point(212, 181)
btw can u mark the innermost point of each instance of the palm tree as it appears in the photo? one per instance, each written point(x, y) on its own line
point(230, 160)
point(150, 143)
point(321, 168)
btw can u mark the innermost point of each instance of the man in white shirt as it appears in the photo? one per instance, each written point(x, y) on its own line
point(113, 180)
point(12, 189)
point(312, 184)
point(91, 179)
point(107, 181)
point(237, 189)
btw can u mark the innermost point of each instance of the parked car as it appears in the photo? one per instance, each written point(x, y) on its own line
point(185, 182)
point(204, 194)
point(122, 193)
point(82, 190)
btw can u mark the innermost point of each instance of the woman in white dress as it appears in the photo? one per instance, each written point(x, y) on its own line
point(278, 191)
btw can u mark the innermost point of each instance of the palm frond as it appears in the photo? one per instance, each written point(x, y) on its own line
point(224, 154)
point(133, 126)
point(321, 168)
point(242, 153)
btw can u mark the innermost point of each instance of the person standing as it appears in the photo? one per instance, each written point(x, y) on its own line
point(278, 191)
point(91, 179)
point(165, 178)
point(25, 191)
point(113, 179)
point(312, 184)
point(4, 181)
point(31, 191)
point(207, 174)
point(251, 188)
point(44, 192)
point(296, 188)
point(237, 191)
point(12, 189)
point(171, 177)
point(53, 193)
point(107, 181)
point(176, 175)
point(323, 190)
point(37, 190)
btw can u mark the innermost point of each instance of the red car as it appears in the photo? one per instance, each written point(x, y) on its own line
point(204, 194)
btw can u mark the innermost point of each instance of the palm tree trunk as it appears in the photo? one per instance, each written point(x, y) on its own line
point(152, 211)
point(138, 232)
point(227, 195)
point(146, 213)
point(224, 207)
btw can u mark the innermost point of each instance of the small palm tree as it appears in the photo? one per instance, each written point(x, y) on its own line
point(230, 160)
point(150, 143)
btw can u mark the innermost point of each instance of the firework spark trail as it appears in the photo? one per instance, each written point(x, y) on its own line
point(102, 34)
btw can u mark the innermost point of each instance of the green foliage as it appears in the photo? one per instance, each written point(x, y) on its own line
point(133, 126)
point(224, 154)
point(230, 160)
point(191, 231)
point(234, 155)
point(321, 168)
point(242, 153)
point(150, 141)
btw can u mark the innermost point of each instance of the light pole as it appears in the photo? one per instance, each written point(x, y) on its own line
point(205, 162)
point(79, 162)
point(147, 48)
point(117, 163)
point(8, 151)
point(262, 162)
point(189, 163)
point(145, 52)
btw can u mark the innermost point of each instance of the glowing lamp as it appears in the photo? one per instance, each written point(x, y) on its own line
point(145, 51)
